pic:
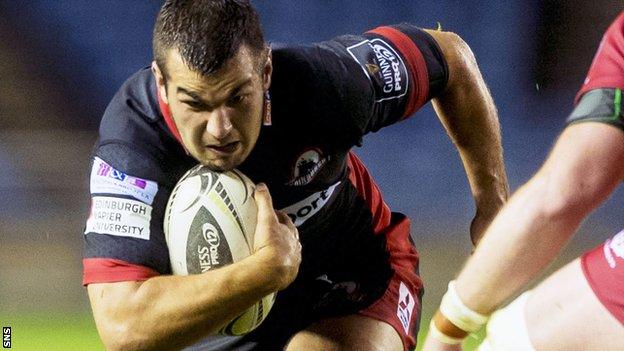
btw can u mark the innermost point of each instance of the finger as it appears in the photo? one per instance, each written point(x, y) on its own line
point(297, 234)
point(264, 202)
point(283, 218)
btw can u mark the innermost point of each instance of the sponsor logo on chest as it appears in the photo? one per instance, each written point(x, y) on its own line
point(303, 210)
point(307, 166)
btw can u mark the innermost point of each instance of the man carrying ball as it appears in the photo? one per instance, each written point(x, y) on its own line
point(286, 117)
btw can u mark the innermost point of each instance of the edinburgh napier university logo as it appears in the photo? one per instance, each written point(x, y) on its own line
point(6, 337)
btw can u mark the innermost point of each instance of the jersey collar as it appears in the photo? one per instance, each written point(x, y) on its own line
point(166, 112)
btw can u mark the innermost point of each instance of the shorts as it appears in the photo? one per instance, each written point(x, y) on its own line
point(306, 301)
point(604, 270)
point(400, 306)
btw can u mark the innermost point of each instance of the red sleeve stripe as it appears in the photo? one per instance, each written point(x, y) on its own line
point(108, 270)
point(164, 109)
point(416, 66)
point(368, 190)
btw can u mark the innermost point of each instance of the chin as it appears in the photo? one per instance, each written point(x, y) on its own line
point(220, 165)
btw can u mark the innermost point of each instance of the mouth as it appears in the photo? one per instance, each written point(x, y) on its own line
point(224, 149)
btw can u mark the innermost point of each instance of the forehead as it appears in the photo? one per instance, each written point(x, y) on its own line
point(241, 66)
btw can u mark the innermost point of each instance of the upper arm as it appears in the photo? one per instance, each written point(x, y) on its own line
point(462, 65)
point(583, 168)
point(124, 239)
point(129, 188)
point(586, 162)
point(110, 303)
point(107, 298)
point(465, 107)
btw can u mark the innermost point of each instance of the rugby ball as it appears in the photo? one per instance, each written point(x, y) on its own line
point(209, 223)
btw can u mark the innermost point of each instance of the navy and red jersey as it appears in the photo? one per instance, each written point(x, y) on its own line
point(325, 97)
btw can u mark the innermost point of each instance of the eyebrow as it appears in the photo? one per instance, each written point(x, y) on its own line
point(190, 93)
point(196, 96)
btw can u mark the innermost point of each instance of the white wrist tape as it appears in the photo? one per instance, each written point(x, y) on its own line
point(441, 337)
point(459, 314)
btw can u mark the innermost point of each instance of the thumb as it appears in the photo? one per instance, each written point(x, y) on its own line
point(264, 203)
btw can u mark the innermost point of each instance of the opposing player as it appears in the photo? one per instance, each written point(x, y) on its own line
point(287, 117)
point(581, 306)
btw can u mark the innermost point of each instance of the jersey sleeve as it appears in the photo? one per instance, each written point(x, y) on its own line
point(356, 84)
point(600, 96)
point(404, 68)
point(607, 68)
point(123, 236)
point(404, 64)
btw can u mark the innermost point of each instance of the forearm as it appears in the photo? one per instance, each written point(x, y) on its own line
point(580, 173)
point(523, 239)
point(169, 312)
point(469, 116)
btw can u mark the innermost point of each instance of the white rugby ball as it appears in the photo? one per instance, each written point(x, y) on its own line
point(210, 222)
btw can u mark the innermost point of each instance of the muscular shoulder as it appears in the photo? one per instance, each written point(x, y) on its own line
point(316, 72)
point(133, 120)
point(134, 104)
point(457, 53)
point(319, 85)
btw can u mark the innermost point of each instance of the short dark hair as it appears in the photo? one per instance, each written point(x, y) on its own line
point(206, 33)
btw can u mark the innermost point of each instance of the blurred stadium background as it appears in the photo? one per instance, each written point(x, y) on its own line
point(61, 62)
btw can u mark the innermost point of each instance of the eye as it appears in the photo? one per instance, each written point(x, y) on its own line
point(237, 99)
point(194, 105)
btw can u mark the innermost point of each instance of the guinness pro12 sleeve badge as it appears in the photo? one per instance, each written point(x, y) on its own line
point(383, 66)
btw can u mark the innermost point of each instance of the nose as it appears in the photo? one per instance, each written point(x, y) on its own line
point(219, 124)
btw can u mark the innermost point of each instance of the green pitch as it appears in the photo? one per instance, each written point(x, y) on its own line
point(62, 332)
point(470, 343)
point(52, 332)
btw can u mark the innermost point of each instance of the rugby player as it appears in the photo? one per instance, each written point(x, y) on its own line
point(581, 306)
point(288, 118)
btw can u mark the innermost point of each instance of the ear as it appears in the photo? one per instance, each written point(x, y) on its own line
point(161, 82)
point(267, 71)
